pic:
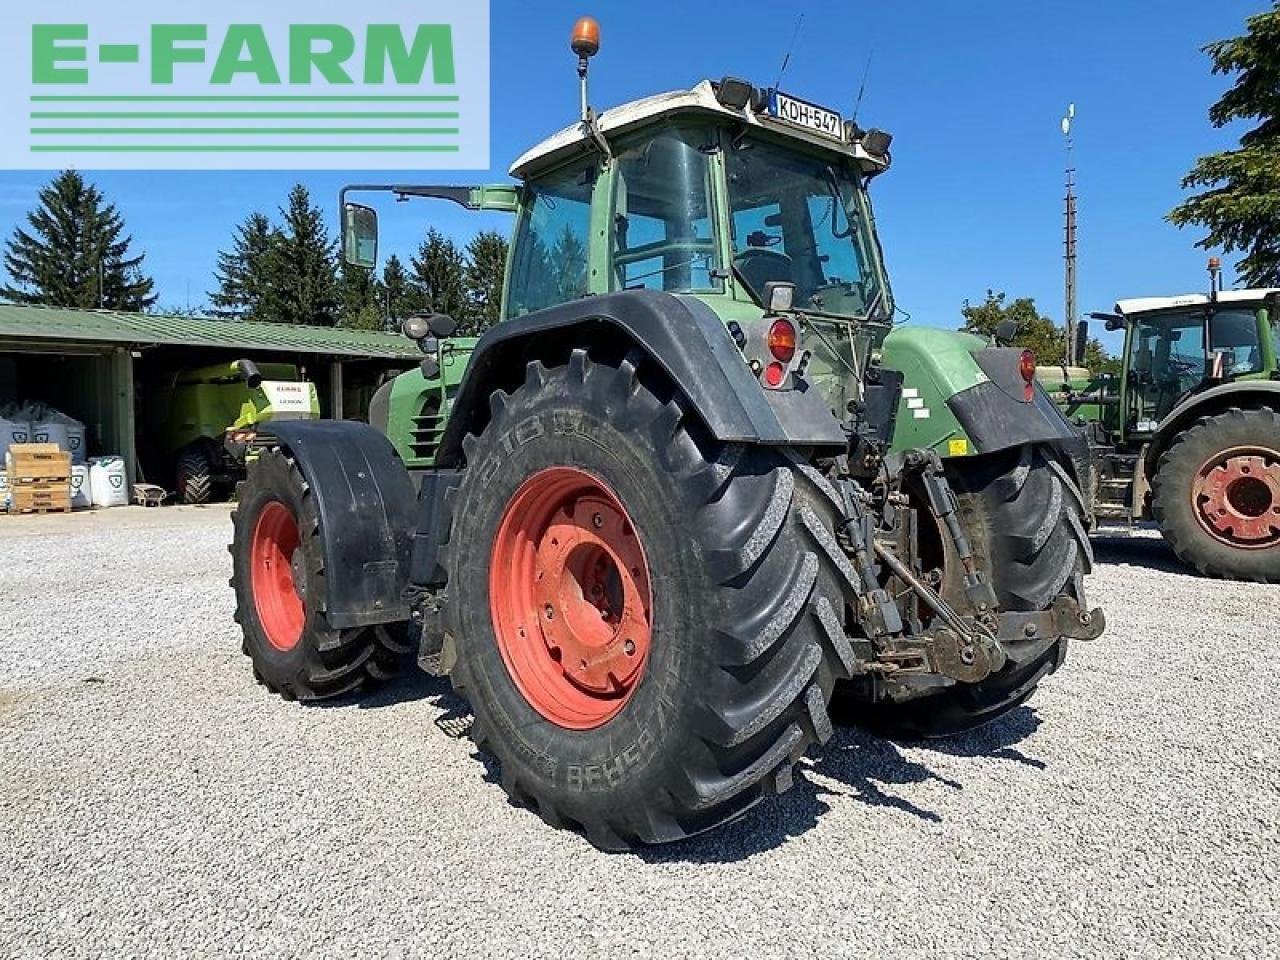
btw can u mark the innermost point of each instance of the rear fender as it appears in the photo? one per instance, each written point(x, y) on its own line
point(964, 398)
point(365, 499)
point(682, 335)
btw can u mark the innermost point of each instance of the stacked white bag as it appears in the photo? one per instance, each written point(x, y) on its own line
point(49, 425)
point(13, 429)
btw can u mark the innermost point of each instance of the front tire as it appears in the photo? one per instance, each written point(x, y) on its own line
point(1216, 496)
point(278, 575)
point(730, 601)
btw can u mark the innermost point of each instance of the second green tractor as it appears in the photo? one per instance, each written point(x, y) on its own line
point(693, 489)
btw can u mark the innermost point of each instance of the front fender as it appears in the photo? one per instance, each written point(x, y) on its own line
point(1239, 393)
point(366, 503)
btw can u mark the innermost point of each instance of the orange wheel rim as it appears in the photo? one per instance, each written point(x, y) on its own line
point(570, 598)
point(1236, 496)
point(273, 550)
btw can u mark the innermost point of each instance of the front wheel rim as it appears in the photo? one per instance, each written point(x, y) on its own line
point(570, 598)
point(273, 549)
point(1236, 497)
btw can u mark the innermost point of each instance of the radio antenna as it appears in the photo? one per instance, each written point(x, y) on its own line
point(862, 87)
point(786, 60)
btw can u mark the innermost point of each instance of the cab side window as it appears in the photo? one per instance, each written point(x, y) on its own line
point(550, 253)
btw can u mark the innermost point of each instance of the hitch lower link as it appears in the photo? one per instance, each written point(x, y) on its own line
point(964, 648)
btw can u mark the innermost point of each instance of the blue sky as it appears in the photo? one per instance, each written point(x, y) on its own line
point(972, 92)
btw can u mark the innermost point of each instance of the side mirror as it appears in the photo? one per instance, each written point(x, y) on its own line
point(1006, 330)
point(1082, 340)
point(360, 235)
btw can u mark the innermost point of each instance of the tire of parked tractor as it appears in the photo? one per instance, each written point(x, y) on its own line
point(195, 475)
point(1024, 516)
point(1216, 495)
point(278, 575)
point(648, 623)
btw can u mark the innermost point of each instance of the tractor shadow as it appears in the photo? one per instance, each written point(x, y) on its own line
point(866, 768)
point(1118, 546)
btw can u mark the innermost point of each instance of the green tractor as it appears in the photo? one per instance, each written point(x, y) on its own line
point(1188, 434)
point(204, 422)
point(693, 487)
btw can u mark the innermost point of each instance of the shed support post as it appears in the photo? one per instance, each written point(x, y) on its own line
point(335, 389)
point(124, 425)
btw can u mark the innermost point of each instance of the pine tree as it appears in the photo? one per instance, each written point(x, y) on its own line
point(400, 296)
point(438, 269)
point(76, 252)
point(361, 295)
point(302, 285)
point(569, 260)
point(486, 263)
point(1240, 205)
point(244, 273)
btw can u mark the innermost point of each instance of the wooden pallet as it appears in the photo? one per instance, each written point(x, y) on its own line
point(43, 497)
point(31, 462)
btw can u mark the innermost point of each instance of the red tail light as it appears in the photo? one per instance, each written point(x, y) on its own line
point(782, 340)
point(1027, 367)
point(774, 374)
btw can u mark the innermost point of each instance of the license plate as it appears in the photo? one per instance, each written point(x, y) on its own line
point(810, 116)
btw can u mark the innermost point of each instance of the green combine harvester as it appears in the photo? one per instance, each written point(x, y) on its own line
point(1188, 434)
point(691, 489)
point(204, 422)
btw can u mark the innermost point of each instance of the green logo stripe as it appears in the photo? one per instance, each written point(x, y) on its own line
point(244, 148)
point(227, 115)
point(235, 131)
point(243, 99)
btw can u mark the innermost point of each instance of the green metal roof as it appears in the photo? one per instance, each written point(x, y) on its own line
point(59, 325)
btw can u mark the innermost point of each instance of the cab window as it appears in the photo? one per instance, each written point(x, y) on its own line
point(1234, 338)
point(662, 236)
point(550, 254)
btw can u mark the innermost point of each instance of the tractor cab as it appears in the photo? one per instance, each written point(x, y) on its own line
point(1176, 347)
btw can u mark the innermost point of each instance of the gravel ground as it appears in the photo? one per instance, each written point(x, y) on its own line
point(155, 802)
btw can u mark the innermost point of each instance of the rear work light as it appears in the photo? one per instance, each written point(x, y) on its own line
point(782, 340)
point(1027, 367)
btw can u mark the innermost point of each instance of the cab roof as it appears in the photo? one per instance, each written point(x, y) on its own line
point(574, 140)
point(1150, 304)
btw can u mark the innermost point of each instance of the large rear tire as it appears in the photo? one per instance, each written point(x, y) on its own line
point(590, 498)
point(1024, 516)
point(1216, 496)
point(278, 574)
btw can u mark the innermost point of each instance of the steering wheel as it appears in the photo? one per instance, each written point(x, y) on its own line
point(759, 266)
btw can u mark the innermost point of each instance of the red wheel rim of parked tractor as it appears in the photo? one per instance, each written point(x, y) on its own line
point(272, 551)
point(570, 598)
point(1236, 496)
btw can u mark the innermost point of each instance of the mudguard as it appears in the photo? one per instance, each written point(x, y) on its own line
point(1238, 393)
point(681, 334)
point(366, 502)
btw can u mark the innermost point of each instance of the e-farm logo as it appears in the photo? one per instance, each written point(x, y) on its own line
point(136, 84)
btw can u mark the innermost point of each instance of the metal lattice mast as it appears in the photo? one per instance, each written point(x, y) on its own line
point(1071, 314)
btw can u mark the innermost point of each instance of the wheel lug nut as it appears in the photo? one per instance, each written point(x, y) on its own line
point(549, 611)
point(629, 648)
point(597, 520)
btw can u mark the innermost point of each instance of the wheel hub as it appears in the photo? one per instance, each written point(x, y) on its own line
point(276, 574)
point(570, 598)
point(1237, 497)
